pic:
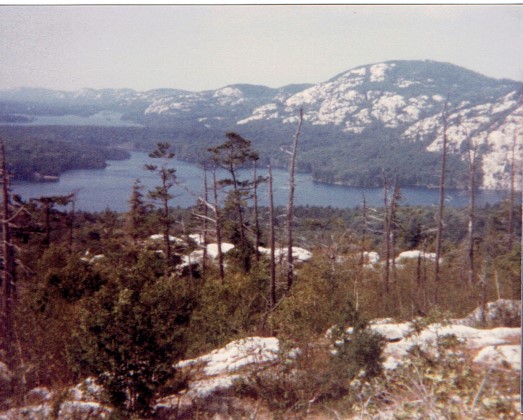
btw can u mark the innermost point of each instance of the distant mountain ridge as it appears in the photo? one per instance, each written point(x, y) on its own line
point(373, 119)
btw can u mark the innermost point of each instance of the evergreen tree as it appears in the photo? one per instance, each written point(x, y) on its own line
point(48, 203)
point(138, 211)
point(161, 194)
point(132, 332)
point(231, 155)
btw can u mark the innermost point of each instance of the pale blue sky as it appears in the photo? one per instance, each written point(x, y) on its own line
point(207, 47)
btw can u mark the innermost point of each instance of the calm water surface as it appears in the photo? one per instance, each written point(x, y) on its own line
point(111, 187)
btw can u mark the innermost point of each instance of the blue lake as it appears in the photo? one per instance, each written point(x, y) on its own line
point(111, 188)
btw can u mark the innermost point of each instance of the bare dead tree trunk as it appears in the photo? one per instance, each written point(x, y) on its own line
point(167, 224)
point(441, 207)
point(386, 235)
point(272, 241)
point(205, 219)
point(418, 271)
point(72, 215)
point(472, 161)
point(512, 198)
point(483, 280)
point(290, 208)
point(393, 225)
point(256, 215)
point(363, 231)
point(8, 267)
point(424, 275)
point(361, 264)
point(218, 224)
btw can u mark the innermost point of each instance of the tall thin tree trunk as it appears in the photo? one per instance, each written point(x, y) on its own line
point(71, 222)
point(424, 275)
point(512, 198)
point(441, 207)
point(256, 215)
point(471, 210)
point(484, 276)
point(386, 235)
point(418, 271)
point(205, 220)
point(496, 279)
point(363, 231)
point(393, 225)
point(361, 264)
point(272, 241)
point(167, 224)
point(218, 224)
point(290, 208)
point(8, 268)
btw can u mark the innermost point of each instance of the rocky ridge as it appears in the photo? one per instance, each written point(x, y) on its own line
point(397, 100)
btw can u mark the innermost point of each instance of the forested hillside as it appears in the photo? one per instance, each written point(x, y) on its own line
point(43, 154)
point(379, 117)
point(121, 298)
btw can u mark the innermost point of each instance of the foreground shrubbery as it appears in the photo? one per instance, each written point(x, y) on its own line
point(128, 316)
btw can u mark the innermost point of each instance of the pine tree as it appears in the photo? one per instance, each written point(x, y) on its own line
point(48, 203)
point(138, 211)
point(132, 331)
point(161, 194)
point(232, 155)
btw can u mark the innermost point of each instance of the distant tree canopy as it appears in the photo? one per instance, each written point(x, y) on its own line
point(28, 157)
point(330, 155)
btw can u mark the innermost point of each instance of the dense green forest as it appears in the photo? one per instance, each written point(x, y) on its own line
point(31, 158)
point(96, 296)
point(328, 154)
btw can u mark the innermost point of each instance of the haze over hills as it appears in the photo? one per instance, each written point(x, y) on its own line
point(383, 117)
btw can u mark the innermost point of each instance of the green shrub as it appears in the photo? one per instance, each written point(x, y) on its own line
point(318, 371)
point(131, 333)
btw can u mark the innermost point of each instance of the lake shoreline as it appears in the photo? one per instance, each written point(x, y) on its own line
point(111, 187)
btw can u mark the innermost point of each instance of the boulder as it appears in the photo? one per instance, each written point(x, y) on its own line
point(500, 313)
point(212, 249)
point(83, 401)
point(505, 356)
point(415, 254)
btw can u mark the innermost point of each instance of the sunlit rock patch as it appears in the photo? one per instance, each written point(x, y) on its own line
point(215, 373)
point(83, 401)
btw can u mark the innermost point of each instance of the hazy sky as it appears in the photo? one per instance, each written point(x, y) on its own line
point(207, 47)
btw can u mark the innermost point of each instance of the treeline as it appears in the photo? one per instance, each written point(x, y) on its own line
point(31, 158)
point(331, 156)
